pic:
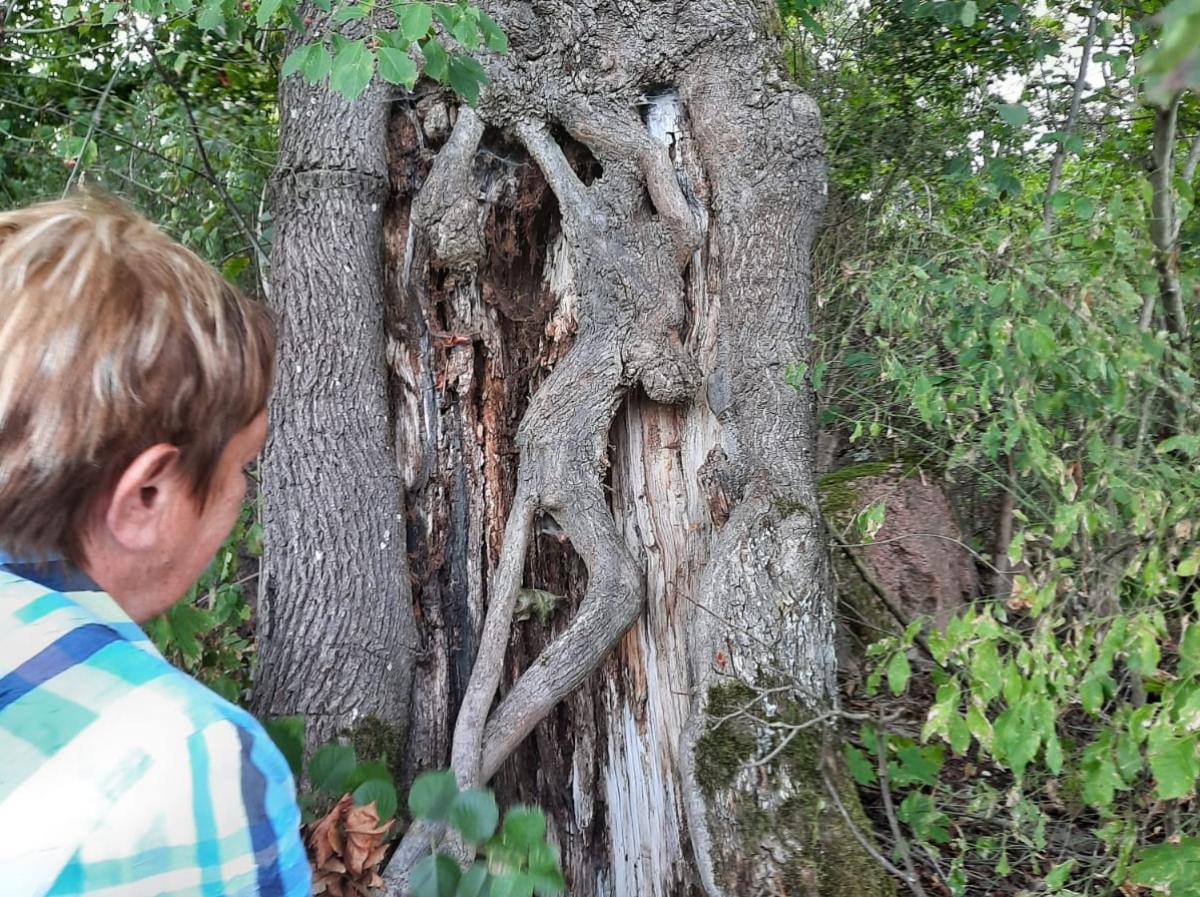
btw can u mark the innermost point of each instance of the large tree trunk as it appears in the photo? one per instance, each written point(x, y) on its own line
point(596, 281)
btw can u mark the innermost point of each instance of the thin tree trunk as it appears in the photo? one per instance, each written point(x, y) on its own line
point(336, 623)
point(1068, 128)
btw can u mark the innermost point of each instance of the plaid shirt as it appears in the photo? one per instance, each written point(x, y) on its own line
point(120, 776)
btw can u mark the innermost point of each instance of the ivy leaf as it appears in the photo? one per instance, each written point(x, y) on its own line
point(432, 794)
point(396, 67)
point(435, 876)
point(330, 767)
point(352, 69)
point(474, 814)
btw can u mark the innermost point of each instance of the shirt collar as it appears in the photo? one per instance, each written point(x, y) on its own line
point(52, 571)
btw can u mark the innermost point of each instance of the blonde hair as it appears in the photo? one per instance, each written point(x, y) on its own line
point(113, 338)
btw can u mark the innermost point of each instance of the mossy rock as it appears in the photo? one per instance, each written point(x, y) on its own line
point(837, 491)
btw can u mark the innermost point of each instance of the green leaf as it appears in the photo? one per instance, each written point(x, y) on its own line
point(435, 876)
point(330, 767)
point(379, 792)
point(861, 769)
point(110, 12)
point(432, 794)
point(352, 69)
point(350, 14)
point(414, 20)
point(967, 15)
point(466, 77)
point(1174, 867)
point(473, 882)
point(211, 16)
point(1014, 114)
point(898, 672)
point(493, 38)
point(296, 60)
point(364, 772)
point(545, 876)
point(1189, 650)
point(266, 9)
point(474, 814)
point(288, 734)
point(544, 871)
point(1057, 876)
point(437, 61)
point(523, 827)
point(1172, 761)
point(396, 67)
point(916, 765)
point(318, 64)
point(511, 884)
point(1190, 565)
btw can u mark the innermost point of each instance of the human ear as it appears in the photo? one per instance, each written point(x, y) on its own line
point(140, 503)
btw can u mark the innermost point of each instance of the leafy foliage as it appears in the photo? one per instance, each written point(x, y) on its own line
point(519, 859)
point(208, 633)
point(1012, 330)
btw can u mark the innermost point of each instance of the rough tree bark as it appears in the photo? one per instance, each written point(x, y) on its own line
point(595, 283)
point(334, 613)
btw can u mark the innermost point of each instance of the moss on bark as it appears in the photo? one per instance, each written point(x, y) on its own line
point(781, 805)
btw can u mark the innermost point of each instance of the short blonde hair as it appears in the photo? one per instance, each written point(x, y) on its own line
point(113, 338)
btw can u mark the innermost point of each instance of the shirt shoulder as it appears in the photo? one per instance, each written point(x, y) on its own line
point(170, 787)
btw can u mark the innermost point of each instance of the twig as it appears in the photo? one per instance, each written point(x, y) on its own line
point(914, 881)
point(94, 123)
point(1193, 159)
point(260, 260)
point(862, 840)
point(1072, 114)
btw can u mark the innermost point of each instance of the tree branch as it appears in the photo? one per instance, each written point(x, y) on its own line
point(260, 260)
point(1072, 114)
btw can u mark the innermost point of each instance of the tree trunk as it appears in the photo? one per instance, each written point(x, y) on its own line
point(596, 282)
point(335, 622)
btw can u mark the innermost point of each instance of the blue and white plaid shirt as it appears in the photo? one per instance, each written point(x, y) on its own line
point(120, 776)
